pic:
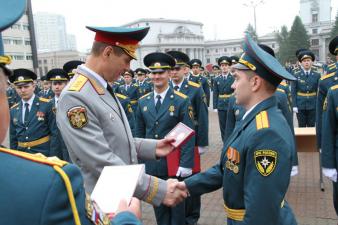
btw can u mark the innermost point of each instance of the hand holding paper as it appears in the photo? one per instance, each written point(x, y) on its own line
point(134, 207)
point(164, 146)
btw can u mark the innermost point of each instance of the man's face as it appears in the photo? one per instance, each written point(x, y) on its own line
point(195, 69)
point(115, 65)
point(46, 85)
point(307, 63)
point(25, 91)
point(177, 74)
point(160, 79)
point(186, 70)
point(141, 77)
point(241, 86)
point(58, 86)
point(225, 68)
point(128, 79)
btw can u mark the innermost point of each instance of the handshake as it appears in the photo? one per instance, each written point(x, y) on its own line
point(176, 192)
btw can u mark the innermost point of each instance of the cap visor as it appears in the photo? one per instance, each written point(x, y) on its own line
point(239, 66)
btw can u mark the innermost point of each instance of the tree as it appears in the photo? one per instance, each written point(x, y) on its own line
point(298, 38)
point(334, 31)
point(250, 30)
point(282, 38)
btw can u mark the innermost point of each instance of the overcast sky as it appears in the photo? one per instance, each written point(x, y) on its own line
point(222, 19)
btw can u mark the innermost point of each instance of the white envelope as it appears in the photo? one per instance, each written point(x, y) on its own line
point(116, 183)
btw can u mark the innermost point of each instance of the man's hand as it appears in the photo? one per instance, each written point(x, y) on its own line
point(183, 172)
point(134, 207)
point(176, 193)
point(215, 110)
point(164, 146)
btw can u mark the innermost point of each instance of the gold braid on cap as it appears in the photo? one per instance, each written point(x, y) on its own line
point(247, 64)
point(129, 49)
point(5, 59)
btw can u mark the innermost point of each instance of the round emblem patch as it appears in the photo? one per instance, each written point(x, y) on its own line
point(77, 117)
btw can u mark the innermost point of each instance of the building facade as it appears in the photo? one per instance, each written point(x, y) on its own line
point(316, 16)
point(56, 59)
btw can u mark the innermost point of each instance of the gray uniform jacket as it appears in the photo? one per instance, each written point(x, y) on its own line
point(97, 134)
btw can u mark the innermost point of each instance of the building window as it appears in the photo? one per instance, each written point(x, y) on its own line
point(15, 27)
point(314, 18)
point(273, 46)
point(315, 31)
point(208, 60)
point(234, 49)
point(25, 27)
point(27, 42)
point(17, 42)
point(29, 57)
point(216, 50)
point(40, 71)
point(46, 69)
point(216, 60)
point(39, 62)
point(7, 41)
point(315, 42)
point(147, 24)
point(225, 49)
point(18, 57)
point(45, 61)
point(208, 51)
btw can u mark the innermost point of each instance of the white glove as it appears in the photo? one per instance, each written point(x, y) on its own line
point(295, 109)
point(330, 173)
point(202, 150)
point(183, 172)
point(215, 110)
point(294, 171)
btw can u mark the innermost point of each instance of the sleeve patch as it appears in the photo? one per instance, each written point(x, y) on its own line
point(77, 117)
point(265, 161)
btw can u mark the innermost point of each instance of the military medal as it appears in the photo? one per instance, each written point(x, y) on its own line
point(235, 169)
point(40, 115)
point(145, 108)
point(227, 164)
point(171, 110)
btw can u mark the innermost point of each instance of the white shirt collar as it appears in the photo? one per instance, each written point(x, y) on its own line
point(30, 102)
point(179, 85)
point(96, 75)
point(247, 112)
point(163, 94)
point(306, 71)
point(56, 99)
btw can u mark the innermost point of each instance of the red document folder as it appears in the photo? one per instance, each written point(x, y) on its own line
point(182, 134)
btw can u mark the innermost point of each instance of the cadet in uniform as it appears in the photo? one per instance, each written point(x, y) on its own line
point(157, 114)
point(255, 164)
point(125, 103)
point(130, 89)
point(198, 102)
point(59, 79)
point(88, 108)
point(32, 128)
point(222, 92)
point(144, 86)
point(197, 77)
point(329, 143)
point(70, 66)
point(324, 85)
point(304, 90)
point(46, 92)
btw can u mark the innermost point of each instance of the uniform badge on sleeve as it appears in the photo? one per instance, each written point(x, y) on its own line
point(191, 112)
point(77, 117)
point(265, 161)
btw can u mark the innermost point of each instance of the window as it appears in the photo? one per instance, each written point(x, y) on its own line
point(315, 42)
point(27, 42)
point(208, 60)
point(17, 42)
point(273, 46)
point(314, 18)
point(18, 57)
point(7, 41)
point(147, 24)
point(29, 57)
point(208, 51)
point(25, 27)
point(216, 50)
point(40, 71)
point(315, 31)
point(15, 27)
point(234, 49)
point(225, 49)
point(45, 61)
point(46, 69)
point(39, 62)
point(216, 59)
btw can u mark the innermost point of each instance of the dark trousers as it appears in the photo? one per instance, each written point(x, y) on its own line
point(192, 209)
point(222, 117)
point(306, 118)
point(170, 215)
point(335, 196)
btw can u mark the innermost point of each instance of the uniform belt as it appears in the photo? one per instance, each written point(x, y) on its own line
point(224, 96)
point(306, 94)
point(133, 102)
point(33, 143)
point(238, 214)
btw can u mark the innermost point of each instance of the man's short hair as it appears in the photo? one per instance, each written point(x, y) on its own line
point(98, 48)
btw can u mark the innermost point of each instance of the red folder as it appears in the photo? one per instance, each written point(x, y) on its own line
point(182, 134)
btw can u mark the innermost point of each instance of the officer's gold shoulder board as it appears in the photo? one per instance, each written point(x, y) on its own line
point(280, 90)
point(135, 85)
point(44, 99)
point(332, 65)
point(262, 120)
point(78, 83)
point(180, 94)
point(284, 84)
point(98, 88)
point(121, 96)
point(191, 83)
point(265, 161)
point(77, 117)
point(15, 105)
point(327, 76)
point(334, 87)
point(145, 95)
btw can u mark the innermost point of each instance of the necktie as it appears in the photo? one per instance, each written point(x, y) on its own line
point(158, 103)
point(307, 74)
point(176, 88)
point(127, 87)
point(26, 112)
